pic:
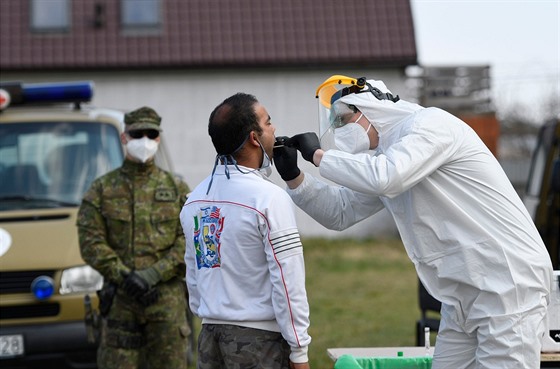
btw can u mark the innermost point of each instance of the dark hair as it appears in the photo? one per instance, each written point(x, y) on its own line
point(231, 122)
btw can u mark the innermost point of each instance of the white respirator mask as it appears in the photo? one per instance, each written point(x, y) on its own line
point(142, 149)
point(352, 138)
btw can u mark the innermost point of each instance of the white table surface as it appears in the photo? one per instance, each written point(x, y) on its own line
point(413, 351)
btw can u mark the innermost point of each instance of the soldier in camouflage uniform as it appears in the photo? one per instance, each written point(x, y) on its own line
point(130, 232)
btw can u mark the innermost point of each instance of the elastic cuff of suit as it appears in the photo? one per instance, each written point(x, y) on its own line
point(299, 355)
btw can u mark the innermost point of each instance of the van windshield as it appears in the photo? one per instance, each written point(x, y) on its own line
point(52, 164)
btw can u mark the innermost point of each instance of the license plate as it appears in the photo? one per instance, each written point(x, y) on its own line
point(11, 346)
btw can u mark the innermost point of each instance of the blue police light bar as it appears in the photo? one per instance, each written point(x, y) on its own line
point(57, 92)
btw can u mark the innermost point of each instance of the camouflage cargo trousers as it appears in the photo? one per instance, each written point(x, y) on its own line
point(153, 337)
point(224, 346)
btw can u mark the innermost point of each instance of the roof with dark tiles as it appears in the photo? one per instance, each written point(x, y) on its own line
point(216, 33)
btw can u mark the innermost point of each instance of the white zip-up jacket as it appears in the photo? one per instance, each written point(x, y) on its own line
point(463, 225)
point(244, 257)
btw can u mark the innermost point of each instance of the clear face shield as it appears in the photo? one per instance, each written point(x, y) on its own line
point(333, 113)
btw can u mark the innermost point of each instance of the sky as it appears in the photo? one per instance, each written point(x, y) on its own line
point(520, 40)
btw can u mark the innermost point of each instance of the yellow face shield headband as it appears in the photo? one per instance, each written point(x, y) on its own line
point(333, 86)
point(331, 90)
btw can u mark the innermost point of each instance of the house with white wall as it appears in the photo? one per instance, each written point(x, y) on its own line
point(184, 57)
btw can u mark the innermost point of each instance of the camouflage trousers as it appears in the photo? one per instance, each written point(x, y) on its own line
point(153, 337)
point(224, 346)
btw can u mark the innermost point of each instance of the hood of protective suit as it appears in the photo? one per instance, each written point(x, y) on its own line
point(385, 115)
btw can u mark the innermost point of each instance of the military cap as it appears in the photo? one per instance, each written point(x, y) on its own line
point(142, 118)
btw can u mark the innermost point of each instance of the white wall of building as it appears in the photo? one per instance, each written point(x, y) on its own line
point(185, 99)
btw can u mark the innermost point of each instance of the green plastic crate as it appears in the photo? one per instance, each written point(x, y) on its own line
point(351, 362)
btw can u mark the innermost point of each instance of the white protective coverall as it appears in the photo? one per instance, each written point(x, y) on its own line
point(464, 227)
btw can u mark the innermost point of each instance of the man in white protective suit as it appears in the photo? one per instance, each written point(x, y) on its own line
point(464, 227)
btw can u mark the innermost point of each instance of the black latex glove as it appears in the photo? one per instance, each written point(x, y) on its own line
point(285, 159)
point(135, 286)
point(307, 143)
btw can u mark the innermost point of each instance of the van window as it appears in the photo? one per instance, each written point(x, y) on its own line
point(51, 164)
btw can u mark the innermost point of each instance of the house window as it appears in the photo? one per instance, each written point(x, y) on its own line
point(50, 15)
point(140, 14)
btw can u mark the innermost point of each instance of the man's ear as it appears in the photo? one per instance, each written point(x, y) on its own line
point(254, 139)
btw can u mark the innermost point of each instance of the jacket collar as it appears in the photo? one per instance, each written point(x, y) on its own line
point(130, 167)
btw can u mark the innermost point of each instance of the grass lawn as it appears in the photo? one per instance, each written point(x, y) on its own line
point(362, 293)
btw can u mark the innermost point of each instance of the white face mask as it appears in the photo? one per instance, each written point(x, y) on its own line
point(142, 149)
point(266, 165)
point(352, 138)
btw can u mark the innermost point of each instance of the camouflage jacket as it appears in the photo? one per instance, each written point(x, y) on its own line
point(129, 220)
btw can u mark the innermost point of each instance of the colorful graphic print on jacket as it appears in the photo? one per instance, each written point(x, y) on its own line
point(208, 225)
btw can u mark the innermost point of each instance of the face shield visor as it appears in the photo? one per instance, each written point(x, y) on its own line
point(332, 112)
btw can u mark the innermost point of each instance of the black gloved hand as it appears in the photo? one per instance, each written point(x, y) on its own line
point(285, 159)
point(135, 286)
point(149, 297)
point(307, 143)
